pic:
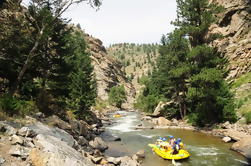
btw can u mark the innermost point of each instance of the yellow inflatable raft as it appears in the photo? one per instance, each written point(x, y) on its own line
point(183, 154)
point(117, 116)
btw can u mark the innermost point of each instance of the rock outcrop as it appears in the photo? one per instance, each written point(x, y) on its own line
point(108, 71)
point(244, 147)
point(235, 25)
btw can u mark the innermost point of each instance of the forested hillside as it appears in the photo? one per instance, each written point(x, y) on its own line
point(191, 73)
point(44, 64)
point(137, 59)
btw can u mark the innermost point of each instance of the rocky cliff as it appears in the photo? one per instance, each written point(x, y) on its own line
point(235, 26)
point(108, 71)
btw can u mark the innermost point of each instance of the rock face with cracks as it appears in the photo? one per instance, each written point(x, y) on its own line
point(108, 71)
point(235, 25)
point(54, 147)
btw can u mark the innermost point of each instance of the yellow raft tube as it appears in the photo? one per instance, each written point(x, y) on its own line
point(183, 154)
point(117, 116)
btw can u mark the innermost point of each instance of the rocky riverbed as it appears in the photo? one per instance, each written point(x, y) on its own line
point(52, 141)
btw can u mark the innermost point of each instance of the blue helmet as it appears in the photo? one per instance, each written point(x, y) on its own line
point(171, 137)
point(175, 142)
point(160, 138)
point(179, 139)
point(164, 139)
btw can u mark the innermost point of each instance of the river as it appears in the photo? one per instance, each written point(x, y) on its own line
point(204, 149)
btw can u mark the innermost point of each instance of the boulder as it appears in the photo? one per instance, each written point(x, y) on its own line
point(114, 160)
point(39, 115)
point(2, 160)
point(103, 162)
point(161, 121)
point(226, 125)
point(28, 142)
point(16, 140)
point(244, 147)
point(99, 144)
point(26, 132)
point(96, 160)
point(52, 132)
point(236, 135)
point(82, 141)
point(128, 161)
point(7, 129)
point(146, 118)
point(141, 154)
point(19, 151)
point(175, 122)
point(54, 147)
point(226, 139)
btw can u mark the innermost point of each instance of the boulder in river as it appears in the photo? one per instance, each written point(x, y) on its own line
point(114, 160)
point(244, 147)
point(99, 144)
point(226, 139)
point(128, 161)
point(236, 135)
point(161, 121)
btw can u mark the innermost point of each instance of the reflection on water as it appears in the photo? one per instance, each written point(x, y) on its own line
point(204, 149)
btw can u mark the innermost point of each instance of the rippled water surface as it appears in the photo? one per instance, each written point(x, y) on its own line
point(204, 149)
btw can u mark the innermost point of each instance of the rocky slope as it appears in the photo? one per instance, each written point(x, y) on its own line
point(235, 25)
point(108, 71)
point(51, 141)
point(137, 60)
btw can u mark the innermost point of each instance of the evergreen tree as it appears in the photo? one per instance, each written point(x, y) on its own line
point(82, 84)
point(173, 69)
point(209, 97)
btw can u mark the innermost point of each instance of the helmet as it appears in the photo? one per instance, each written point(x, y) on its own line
point(175, 142)
point(164, 139)
point(179, 139)
point(171, 137)
point(160, 138)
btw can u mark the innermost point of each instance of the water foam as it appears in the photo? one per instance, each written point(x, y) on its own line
point(147, 136)
point(125, 123)
point(205, 151)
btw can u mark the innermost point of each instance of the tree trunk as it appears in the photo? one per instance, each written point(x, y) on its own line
point(26, 64)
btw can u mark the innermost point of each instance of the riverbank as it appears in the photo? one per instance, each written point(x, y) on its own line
point(237, 134)
point(51, 141)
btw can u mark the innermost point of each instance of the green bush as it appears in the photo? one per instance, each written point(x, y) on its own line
point(117, 96)
point(248, 117)
point(13, 106)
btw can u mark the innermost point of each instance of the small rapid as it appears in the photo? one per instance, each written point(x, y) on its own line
point(204, 149)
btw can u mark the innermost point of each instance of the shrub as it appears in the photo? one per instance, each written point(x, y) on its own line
point(248, 117)
point(117, 96)
point(13, 106)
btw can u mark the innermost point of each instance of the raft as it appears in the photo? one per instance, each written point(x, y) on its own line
point(183, 154)
point(117, 116)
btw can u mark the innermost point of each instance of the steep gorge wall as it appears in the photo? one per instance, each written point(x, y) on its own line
point(108, 71)
point(235, 26)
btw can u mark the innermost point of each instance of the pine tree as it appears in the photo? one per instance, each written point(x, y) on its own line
point(209, 97)
point(174, 69)
point(82, 85)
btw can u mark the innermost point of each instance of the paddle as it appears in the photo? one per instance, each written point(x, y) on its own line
point(173, 162)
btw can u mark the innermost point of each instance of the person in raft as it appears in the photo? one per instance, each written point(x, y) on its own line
point(159, 142)
point(175, 148)
point(171, 141)
point(180, 143)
